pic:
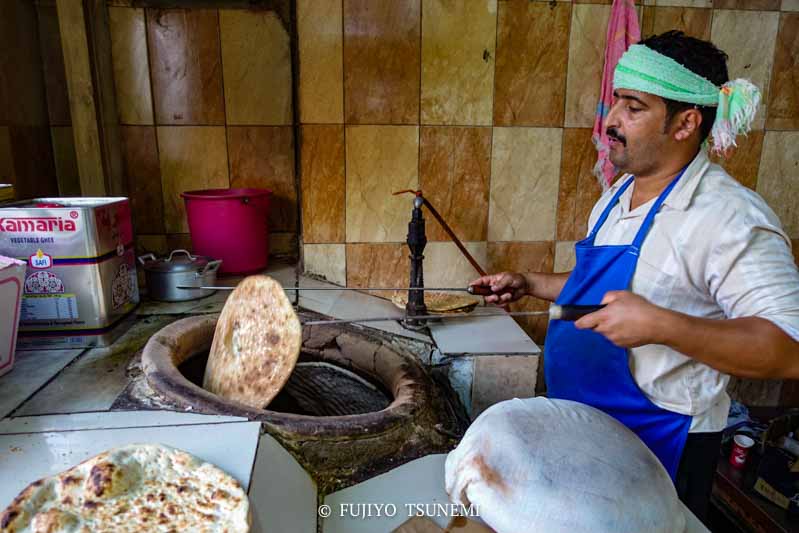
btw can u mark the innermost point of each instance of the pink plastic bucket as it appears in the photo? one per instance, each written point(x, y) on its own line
point(231, 225)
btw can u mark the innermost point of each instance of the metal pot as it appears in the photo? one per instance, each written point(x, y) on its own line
point(165, 275)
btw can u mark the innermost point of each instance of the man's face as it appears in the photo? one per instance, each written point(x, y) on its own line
point(635, 128)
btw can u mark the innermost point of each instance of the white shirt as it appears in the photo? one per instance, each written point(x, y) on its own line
point(715, 250)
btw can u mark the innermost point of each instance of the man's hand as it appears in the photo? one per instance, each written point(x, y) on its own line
point(628, 320)
point(506, 286)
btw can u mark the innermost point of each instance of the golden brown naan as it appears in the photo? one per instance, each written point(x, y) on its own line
point(256, 343)
point(140, 487)
point(439, 302)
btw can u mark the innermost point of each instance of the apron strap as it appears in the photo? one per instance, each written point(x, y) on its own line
point(650, 217)
point(608, 208)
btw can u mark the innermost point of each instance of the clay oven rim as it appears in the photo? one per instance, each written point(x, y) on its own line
point(185, 338)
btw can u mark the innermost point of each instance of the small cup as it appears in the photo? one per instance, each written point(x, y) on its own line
point(740, 450)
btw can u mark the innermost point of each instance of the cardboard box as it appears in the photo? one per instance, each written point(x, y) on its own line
point(12, 274)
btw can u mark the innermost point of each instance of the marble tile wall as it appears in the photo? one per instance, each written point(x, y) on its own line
point(487, 106)
point(30, 99)
point(204, 99)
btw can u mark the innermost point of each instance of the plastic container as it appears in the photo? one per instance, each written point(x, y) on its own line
point(231, 225)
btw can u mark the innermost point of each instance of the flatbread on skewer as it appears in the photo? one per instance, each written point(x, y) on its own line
point(256, 343)
point(439, 302)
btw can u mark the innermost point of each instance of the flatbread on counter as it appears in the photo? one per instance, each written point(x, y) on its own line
point(440, 302)
point(256, 344)
point(140, 487)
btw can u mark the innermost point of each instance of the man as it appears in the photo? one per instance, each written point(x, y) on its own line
point(695, 271)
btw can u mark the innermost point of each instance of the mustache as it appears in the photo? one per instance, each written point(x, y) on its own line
point(613, 133)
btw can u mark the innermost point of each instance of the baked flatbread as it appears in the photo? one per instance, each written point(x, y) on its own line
point(439, 302)
point(140, 487)
point(256, 344)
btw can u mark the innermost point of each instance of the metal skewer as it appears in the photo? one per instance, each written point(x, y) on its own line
point(555, 312)
point(481, 291)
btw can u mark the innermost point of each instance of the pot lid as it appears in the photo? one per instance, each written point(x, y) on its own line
point(177, 261)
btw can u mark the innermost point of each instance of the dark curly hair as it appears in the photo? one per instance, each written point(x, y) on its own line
point(700, 57)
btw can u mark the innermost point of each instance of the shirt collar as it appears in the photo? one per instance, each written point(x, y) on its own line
point(679, 198)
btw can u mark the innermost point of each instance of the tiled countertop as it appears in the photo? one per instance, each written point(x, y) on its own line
point(46, 382)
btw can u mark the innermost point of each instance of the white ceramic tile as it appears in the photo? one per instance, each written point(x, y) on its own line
point(321, 305)
point(327, 261)
point(108, 420)
point(496, 335)
point(354, 304)
point(317, 301)
point(96, 378)
point(564, 256)
point(154, 307)
point(418, 482)
point(31, 370)
point(287, 505)
point(24, 458)
point(525, 169)
point(446, 266)
point(749, 38)
point(778, 177)
point(498, 378)
point(211, 304)
point(284, 273)
point(790, 5)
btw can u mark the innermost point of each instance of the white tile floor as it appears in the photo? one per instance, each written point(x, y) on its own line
point(96, 379)
point(31, 370)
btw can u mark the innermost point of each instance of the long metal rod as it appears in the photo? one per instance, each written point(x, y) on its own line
point(555, 312)
point(447, 229)
point(421, 317)
point(459, 289)
point(455, 239)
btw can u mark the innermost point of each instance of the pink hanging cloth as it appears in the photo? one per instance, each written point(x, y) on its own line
point(623, 31)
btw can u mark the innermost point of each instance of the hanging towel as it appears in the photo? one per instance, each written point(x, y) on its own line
point(623, 31)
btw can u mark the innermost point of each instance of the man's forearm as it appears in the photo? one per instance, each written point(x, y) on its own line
point(746, 347)
point(545, 286)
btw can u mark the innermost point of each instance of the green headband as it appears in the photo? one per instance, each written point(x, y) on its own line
point(643, 69)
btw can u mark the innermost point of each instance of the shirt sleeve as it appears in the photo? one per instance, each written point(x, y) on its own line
point(751, 271)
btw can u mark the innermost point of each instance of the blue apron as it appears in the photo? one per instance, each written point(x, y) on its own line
point(584, 366)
